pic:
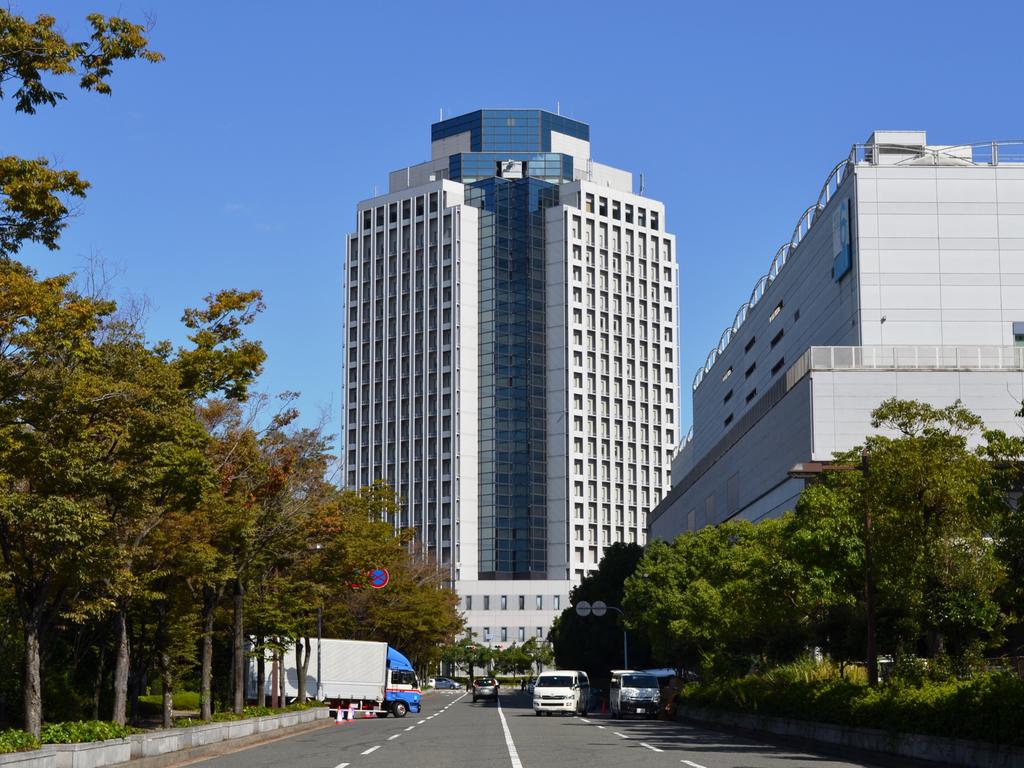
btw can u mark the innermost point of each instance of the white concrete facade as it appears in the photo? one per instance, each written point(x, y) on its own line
point(413, 400)
point(928, 310)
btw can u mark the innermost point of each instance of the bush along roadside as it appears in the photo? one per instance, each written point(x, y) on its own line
point(987, 707)
point(247, 712)
point(17, 741)
point(153, 706)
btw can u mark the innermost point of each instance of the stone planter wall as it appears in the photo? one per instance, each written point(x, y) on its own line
point(939, 749)
point(97, 754)
point(37, 758)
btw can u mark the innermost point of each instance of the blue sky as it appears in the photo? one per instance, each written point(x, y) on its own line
point(238, 161)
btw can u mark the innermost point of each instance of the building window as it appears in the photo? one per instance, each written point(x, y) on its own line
point(750, 370)
point(522, 634)
point(558, 602)
point(540, 602)
point(522, 602)
point(778, 337)
point(727, 374)
point(487, 602)
point(728, 420)
point(487, 634)
point(504, 602)
point(727, 398)
point(796, 315)
point(751, 394)
point(778, 366)
point(469, 602)
point(540, 633)
point(1018, 334)
point(750, 344)
point(775, 312)
point(504, 634)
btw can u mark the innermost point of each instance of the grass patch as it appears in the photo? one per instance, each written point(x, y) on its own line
point(151, 706)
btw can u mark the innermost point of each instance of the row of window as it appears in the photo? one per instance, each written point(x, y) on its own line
point(620, 211)
point(503, 636)
point(503, 602)
point(376, 216)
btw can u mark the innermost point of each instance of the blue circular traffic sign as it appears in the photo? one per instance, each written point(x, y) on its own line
point(379, 578)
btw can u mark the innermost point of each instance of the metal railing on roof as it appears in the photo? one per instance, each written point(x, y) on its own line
point(924, 358)
point(779, 260)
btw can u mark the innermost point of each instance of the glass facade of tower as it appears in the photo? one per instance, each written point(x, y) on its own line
point(513, 479)
point(509, 130)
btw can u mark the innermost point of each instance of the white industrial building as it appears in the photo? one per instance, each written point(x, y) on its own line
point(904, 279)
point(510, 358)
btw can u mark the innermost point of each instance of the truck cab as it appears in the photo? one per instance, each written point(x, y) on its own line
point(402, 693)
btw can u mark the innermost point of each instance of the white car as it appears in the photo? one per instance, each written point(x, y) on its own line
point(566, 691)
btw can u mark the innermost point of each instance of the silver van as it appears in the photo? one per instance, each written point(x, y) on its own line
point(633, 693)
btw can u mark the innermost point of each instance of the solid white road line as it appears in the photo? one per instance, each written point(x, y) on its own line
point(512, 753)
point(395, 736)
point(692, 764)
point(653, 749)
point(620, 735)
point(371, 749)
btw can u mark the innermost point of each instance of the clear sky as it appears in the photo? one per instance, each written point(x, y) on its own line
point(238, 161)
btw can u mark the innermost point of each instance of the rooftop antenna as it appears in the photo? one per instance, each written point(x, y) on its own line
point(558, 107)
point(641, 183)
point(441, 113)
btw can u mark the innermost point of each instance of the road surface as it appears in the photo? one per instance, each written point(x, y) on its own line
point(453, 732)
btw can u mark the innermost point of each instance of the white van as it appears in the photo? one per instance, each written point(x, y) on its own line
point(633, 693)
point(564, 690)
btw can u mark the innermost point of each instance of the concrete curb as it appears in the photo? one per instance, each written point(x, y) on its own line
point(935, 749)
point(173, 746)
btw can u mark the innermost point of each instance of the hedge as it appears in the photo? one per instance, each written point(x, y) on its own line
point(17, 741)
point(84, 730)
point(182, 700)
point(987, 707)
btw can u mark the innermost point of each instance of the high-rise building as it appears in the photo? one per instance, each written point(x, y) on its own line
point(905, 278)
point(510, 359)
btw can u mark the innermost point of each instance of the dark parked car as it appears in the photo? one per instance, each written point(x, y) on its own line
point(444, 682)
point(485, 688)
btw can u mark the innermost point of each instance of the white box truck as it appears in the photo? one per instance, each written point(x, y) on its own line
point(370, 676)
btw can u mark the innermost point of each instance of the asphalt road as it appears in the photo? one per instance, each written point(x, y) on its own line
point(453, 732)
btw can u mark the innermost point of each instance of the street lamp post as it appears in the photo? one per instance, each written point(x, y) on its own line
point(598, 608)
point(812, 470)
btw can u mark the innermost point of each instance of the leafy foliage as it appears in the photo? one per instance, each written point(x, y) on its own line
point(987, 707)
point(13, 740)
point(82, 730)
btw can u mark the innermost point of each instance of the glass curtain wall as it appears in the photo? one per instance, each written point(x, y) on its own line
point(513, 513)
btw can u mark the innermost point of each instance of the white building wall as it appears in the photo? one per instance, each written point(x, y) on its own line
point(466, 479)
point(941, 253)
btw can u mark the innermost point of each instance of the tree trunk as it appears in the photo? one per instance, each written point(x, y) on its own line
point(101, 658)
point(304, 668)
point(32, 695)
point(273, 681)
point(206, 669)
point(168, 686)
point(282, 676)
point(261, 675)
point(238, 650)
point(300, 670)
point(121, 660)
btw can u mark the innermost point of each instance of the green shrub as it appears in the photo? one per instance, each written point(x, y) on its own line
point(988, 707)
point(152, 706)
point(84, 730)
point(17, 741)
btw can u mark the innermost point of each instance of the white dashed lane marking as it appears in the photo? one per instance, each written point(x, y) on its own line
point(371, 749)
point(395, 736)
point(692, 764)
point(653, 749)
point(620, 735)
point(410, 727)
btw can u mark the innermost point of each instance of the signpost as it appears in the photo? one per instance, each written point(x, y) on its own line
point(583, 608)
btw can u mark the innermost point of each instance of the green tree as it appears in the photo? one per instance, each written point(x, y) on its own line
point(592, 643)
point(34, 198)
